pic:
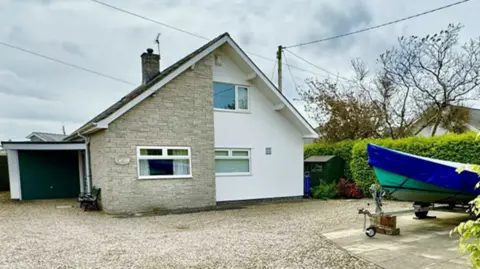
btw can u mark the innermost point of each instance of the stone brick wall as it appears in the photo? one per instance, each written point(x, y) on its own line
point(180, 114)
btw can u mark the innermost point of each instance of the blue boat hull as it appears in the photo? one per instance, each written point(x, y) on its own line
point(413, 178)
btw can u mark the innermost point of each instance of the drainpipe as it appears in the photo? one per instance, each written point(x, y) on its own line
point(88, 187)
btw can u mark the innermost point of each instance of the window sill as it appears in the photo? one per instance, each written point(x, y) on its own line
point(164, 177)
point(234, 175)
point(232, 111)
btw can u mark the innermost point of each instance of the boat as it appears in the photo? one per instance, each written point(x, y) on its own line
point(422, 180)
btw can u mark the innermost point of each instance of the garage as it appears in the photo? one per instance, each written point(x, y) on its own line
point(48, 174)
point(45, 170)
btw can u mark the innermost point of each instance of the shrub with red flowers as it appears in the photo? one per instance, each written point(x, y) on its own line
point(349, 190)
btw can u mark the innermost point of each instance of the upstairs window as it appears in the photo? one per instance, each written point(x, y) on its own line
point(230, 97)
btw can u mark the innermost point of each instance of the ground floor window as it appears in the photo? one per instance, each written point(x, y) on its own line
point(232, 162)
point(163, 162)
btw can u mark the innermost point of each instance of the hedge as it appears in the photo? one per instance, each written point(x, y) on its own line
point(462, 148)
point(341, 149)
point(458, 148)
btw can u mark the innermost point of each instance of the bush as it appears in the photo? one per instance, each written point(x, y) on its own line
point(458, 148)
point(347, 190)
point(341, 149)
point(324, 191)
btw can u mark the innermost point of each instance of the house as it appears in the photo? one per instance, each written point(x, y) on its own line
point(473, 124)
point(39, 136)
point(207, 129)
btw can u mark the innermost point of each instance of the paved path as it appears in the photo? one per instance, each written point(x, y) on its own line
point(422, 244)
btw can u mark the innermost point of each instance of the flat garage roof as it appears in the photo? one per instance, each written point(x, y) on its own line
point(29, 145)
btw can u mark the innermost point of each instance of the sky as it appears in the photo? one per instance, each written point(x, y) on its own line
point(40, 95)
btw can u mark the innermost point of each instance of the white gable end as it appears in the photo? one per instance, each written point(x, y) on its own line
point(260, 128)
point(250, 72)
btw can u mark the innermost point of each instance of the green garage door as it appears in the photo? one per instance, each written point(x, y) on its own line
point(48, 174)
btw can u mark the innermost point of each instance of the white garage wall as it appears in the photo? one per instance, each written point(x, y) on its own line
point(14, 175)
point(276, 175)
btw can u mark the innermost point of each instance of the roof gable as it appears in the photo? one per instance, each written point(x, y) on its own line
point(46, 136)
point(143, 91)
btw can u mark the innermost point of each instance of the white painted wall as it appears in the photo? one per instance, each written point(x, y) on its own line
point(14, 174)
point(276, 175)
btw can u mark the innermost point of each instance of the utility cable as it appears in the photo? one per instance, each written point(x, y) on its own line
point(290, 71)
point(65, 63)
point(378, 26)
point(312, 64)
point(186, 32)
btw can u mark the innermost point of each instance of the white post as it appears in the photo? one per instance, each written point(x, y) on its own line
point(14, 174)
point(88, 184)
point(81, 173)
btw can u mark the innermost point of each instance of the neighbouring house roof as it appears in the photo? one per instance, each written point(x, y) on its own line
point(102, 120)
point(319, 159)
point(473, 123)
point(47, 136)
point(474, 120)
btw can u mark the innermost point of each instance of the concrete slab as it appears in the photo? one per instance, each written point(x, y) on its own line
point(422, 244)
point(410, 261)
point(447, 265)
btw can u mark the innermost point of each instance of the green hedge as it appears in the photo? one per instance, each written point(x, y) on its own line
point(458, 148)
point(341, 149)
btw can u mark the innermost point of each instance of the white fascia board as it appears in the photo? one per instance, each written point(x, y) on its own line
point(272, 87)
point(152, 89)
point(41, 146)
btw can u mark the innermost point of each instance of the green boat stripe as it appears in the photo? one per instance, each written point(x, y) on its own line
point(401, 185)
point(416, 189)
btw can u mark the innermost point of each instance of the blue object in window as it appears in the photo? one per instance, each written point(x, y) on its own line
point(223, 95)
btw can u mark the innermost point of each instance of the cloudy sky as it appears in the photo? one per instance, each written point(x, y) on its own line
point(40, 95)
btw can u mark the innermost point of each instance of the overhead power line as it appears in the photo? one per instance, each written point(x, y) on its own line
point(377, 26)
point(273, 71)
point(148, 19)
point(316, 66)
point(65, 63)
point(290, 71)
point(187, 32)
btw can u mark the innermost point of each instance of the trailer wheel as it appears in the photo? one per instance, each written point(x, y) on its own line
point(421, 214)
point(371, 231)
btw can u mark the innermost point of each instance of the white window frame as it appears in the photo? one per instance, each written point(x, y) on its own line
point(164, 156)
point(231, 157)
point(236, 98)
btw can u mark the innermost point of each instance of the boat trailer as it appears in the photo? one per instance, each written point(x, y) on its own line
point(386, 223)
point(380, 222)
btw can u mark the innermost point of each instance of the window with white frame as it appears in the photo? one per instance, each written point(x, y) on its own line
point(164, 162)
point(230, 97)
point(232, 162)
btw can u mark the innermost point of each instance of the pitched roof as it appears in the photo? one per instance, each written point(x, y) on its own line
point(102, 120)
point(48, 137)
point(143, 87)
point(319, 159)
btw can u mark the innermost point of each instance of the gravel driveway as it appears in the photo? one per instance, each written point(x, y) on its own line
point(271, 235)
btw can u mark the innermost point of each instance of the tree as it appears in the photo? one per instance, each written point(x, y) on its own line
point(342, 111)
point(362, 107)
point(397, 114)
point(436, 73)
